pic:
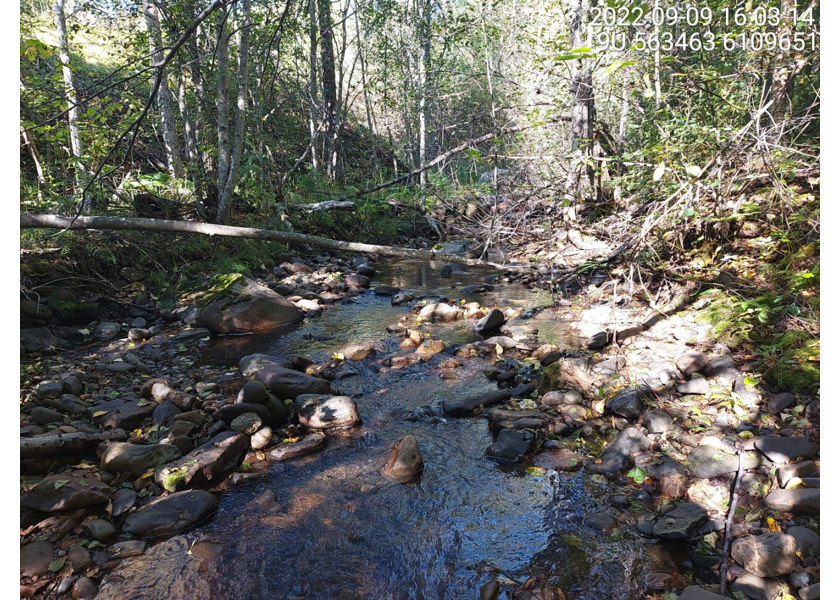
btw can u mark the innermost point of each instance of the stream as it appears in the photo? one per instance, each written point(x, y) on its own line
point(338, 529)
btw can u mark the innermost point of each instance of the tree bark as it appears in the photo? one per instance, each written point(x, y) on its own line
point(313, 85)
point(69, 443)
point(226, 192)
point(223, 135)
point(161, 225)
point(167, 115)
point(329, 89)
point(72, 98)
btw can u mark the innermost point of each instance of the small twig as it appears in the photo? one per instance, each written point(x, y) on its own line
point(727, 538)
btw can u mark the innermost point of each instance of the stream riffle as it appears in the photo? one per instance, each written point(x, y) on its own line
point(338, 529)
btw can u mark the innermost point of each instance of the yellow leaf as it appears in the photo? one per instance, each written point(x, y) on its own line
point(338, 355)
point(499, 350)
point(771, 524)
point(99, 413)
point(147, 474)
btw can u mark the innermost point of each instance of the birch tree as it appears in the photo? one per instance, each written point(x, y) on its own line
point(230, 148)
point(72, 98)
point(164, 95)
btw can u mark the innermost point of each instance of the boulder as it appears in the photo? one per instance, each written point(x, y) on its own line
point(440, 313)
point(243, 306)
point(286, 383)
point(405, 462)
point(209, 462)
point(65, 491)
point(254, 362)
point(172, 514)
point(308, 445)
point(626, 404)
point(709, 462)
point(120, 414)
point(494, 319)
point(322, 411)
point(783, 450)
point(768, 555)
point(121, 457)
point(229, 412)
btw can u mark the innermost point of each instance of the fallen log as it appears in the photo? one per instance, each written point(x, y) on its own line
point(67, 443)
point(167, 226)
point(347, 205)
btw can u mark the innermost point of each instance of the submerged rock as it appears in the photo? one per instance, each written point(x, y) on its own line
point(466, 406)
point(618, 455)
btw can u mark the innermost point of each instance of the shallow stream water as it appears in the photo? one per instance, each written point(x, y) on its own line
point(340, 530)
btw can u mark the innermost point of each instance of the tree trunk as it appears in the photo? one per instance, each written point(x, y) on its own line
point(583, 119)
point(226, 192)
point(72, 99)
point(162, 225)
point(782, 68)
point(167, 115)
point(424, 66)
point(313, 85)
point(368, 109)
point(329, 87)
point(222, 116)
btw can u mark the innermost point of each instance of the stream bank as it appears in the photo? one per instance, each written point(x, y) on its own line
point(329, 525)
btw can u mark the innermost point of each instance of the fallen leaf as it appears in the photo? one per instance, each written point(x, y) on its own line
point(61, 482)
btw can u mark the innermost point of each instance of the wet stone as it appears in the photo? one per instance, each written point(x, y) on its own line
point(252, 363)
point(812, 592)
point(286, 383)
point(494, 319)
point(600, 522)
point(561, 459)
point(405, 462)
point(680, 522)
point(466, 406)
point(253, 392)
point(511, 445)
point(318, 411)
point(768, 555)
point(308, 445)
